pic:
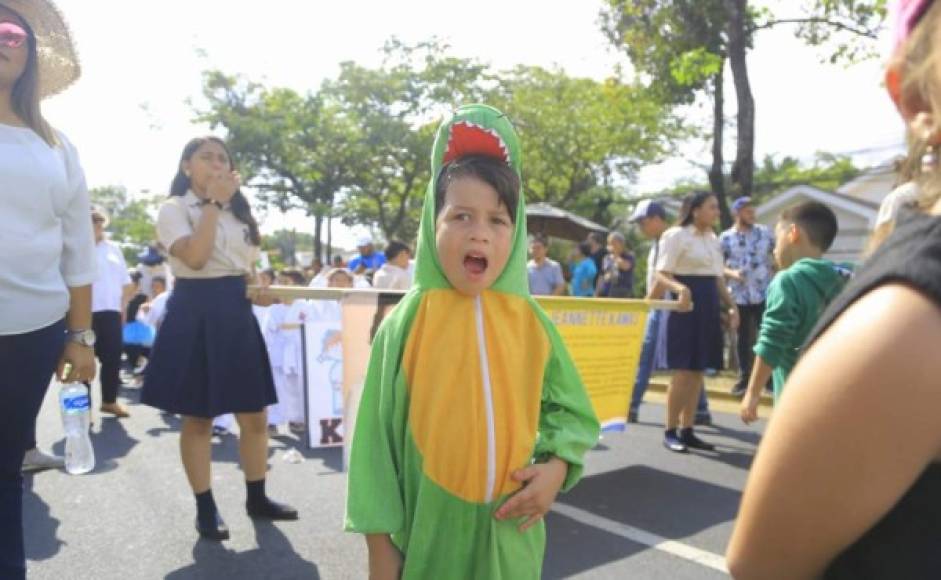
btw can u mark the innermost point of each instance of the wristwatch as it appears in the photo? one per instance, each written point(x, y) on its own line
point(82, 337)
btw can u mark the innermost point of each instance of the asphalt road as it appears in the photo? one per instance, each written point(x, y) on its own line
point(132, 518)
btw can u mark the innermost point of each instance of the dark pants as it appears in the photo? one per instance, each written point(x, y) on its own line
point(749, 324)
point(134, 352)
point(28, 361)
point(109, 344)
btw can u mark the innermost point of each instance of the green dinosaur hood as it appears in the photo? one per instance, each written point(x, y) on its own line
point(473, 130)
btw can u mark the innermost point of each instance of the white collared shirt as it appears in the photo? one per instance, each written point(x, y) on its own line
point(107, 293)
point(685, 251)
point(232, 254)
point(391, 277)
point(46, 239)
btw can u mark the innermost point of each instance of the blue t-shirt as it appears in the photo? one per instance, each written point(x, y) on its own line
point(373, 261)
point(583, 278)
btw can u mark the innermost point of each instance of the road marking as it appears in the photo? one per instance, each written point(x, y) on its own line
point(672, 547)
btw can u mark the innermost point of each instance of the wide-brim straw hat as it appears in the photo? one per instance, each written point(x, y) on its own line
point(57, 58)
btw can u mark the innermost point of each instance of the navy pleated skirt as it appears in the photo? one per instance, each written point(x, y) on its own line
point(694, 339)
point(209, 357)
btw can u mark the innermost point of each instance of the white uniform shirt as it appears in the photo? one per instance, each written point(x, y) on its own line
point(684, 251)
point(46, 239)
point(107, 292)
point(391, 277)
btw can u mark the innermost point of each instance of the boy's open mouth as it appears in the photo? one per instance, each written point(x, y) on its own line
point(475, 264)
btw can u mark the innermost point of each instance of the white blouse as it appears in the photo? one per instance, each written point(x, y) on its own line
point(685, 251)
point(46, 239)
point(107, 293)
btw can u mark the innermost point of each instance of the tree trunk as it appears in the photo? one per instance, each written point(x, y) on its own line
point(744, 168)
point(318, 230)
point(717, 171)
point(329, 240)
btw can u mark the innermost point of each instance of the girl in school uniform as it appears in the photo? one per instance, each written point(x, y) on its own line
point(209, 358)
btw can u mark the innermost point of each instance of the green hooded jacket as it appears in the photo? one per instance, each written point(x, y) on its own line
point(460, 392)
point(797, 297)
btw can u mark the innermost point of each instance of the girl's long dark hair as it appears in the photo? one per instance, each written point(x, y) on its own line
point(181, 184)
point(693, 202)
point(26, 97)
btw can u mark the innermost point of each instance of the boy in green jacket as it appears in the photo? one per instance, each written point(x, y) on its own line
point(797, 297)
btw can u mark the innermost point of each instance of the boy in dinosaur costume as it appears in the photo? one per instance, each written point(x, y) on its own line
point(473, 416)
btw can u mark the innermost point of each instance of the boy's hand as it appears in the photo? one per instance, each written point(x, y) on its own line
point(749, 409)
point(542, 483)
point(385, 560)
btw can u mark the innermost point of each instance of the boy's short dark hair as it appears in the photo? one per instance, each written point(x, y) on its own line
point(584, 248)
point(816, 219)
point(394, 248)
point(494, 172)
point(136, 276)
point(295, 275)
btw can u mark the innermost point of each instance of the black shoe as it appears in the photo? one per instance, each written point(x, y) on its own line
point(271, 510)
point(217, 531)
point(690, 440)
point(673, 443)
point(703, 420)
point(632, 416)
point(739, 390)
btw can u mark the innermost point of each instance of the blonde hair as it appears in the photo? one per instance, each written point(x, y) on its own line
point(919, 63)
point(26, 97)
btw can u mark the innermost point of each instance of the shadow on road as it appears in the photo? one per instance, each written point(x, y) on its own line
point(40, 530)
point(273, 558)
point(660, 502)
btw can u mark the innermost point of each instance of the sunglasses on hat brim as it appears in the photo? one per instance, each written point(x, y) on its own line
point(12, 35)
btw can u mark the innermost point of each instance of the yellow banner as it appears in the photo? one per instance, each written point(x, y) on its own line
point(604, 338)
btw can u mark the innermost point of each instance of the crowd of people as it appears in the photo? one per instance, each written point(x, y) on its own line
point(846, 480)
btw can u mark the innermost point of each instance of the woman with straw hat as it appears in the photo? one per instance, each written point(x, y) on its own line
point(47, 265)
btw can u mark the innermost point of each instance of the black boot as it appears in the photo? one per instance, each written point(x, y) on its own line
point(258, 505)
point(672, 442)
point(689, 438)
point(209, 523)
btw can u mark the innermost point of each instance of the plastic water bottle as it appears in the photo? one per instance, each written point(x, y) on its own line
point(76, 410)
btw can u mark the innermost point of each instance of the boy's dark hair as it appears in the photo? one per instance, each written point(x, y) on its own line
point(817, 220)
point(295, 275)
point(541, 239)
point(159, 280)
point(585, 249)
point(394, 248)
point(494, 172)
point(136, 276)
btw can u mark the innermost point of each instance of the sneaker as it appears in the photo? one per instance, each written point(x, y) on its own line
point(673, 443)
point(739, 390)
point(690, 440)
point(36, 460)
point(297, 427)
point(115, 409)
point(218, 431)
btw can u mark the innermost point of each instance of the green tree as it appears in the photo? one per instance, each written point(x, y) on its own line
point(679, 45)
point(132, 219)
point(580, 136)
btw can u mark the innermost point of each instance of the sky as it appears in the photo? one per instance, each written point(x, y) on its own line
point(131, 112)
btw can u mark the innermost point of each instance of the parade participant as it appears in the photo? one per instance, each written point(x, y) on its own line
point(617, 277)
point(395, 273)
point(749, 265)
point(138, 334)
point(467, 364)
point(111, 293)
point(545, 274)
point(847, 480)
point(209, 358)
point(691, 261)
point(282, 329)
point(47, 265)
point(583, 272)
point(803, 287)
point(368, 260)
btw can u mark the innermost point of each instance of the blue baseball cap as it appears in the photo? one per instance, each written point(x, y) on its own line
point(648, 208)
point(740, 203)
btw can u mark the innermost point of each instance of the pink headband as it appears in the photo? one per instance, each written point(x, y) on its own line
point(907, 15)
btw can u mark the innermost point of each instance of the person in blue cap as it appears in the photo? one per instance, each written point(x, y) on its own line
point(651, 218)
point(152, 263)
point(747, 248)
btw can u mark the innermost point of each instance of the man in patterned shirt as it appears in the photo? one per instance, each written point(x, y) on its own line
point(749, 267)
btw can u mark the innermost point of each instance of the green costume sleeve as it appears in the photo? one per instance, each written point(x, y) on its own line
point(780, 321)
